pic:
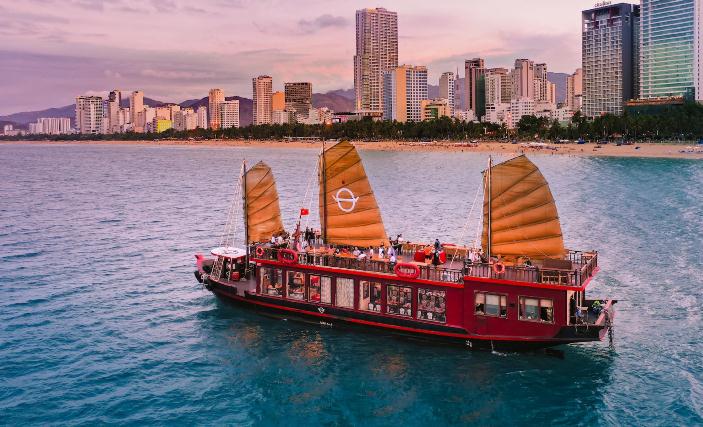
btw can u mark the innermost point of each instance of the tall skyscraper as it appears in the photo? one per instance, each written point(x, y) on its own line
point(89, 114)
point(278, 101)
point(699, 50)
point(607, 57)
point(498, 86)
point(298, 97)
point(473, 71)
point(261, 90)
point(574, 90)
point(136, 111)
point(670, 33)
point(542, 87)
point(446, 90)
point(229, 114)
point(403, 89)
point(376, 53)
point(215, 98)
point(113, 111)
point(523, 79)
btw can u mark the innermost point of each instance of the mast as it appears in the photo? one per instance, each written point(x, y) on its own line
point(323, 226)
point(489, 177)
point(244, 205)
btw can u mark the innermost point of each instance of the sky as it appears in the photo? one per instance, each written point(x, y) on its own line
point(53, 50)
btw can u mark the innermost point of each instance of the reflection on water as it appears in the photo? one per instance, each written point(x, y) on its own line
point(101, 321)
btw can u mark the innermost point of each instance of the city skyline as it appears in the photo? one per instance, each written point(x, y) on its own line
point(89, 55)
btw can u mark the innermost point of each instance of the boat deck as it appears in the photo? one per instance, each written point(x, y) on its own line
point(574, 270)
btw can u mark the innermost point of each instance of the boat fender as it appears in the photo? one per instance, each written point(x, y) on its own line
point(291, 258)
point(259, 251)
point(406, 270)
point(499, 268)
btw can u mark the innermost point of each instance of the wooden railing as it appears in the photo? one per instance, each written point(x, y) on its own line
point(583, 267)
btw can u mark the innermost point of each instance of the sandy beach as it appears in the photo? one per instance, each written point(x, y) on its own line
point(661, 150)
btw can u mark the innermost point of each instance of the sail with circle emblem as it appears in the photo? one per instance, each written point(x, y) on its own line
point(262, 211)
point(349, 214)
point(519, 213)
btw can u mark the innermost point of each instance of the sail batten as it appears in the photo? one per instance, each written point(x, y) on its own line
point(521, 212)
point(262, 209)
point(349, 214)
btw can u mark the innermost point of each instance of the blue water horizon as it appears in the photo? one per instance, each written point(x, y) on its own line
point(102, 321)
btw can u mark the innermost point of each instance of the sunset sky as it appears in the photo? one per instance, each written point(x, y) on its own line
point(53, 50)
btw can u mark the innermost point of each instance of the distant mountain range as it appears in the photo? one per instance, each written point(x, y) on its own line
point(336, 100)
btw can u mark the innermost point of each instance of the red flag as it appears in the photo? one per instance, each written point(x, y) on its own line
point(304, 212)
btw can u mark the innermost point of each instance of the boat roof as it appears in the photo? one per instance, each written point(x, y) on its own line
point(229, 252)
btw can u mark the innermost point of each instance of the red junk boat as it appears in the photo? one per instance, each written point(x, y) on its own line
point(520, 290)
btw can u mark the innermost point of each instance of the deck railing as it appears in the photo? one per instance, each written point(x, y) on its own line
point(583, 267)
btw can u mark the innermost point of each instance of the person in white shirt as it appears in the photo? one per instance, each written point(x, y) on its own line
point(356, 252)
point(361, 256)
point(393, 259)
point(380, 252)
point(391, 251)
point(370, 253)
point(279, 240)
point(273, 240)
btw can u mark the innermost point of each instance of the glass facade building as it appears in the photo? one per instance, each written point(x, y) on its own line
point(668, 48)
point(609, 47)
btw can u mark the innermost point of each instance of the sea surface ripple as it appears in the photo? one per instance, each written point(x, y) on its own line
point(102, 322)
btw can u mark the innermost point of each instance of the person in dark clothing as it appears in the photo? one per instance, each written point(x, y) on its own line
point(437, 245)
point(435, 258)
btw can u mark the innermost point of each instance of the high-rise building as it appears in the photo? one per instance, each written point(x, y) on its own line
point(261, 91)
point(608, 57)
point(574, 90)
point(202, 117)
point(376, 53)
point(185, 119)
point(670, 40)
point(215, 98)
point(699, 50)
point(89, 114)
point(519, 108)
point(298, 97)
point(229, 114)
point(542, 86)
point(523, 79)
point(278, 101)
point(136, 109)
point(403, 90)
point(446, 90)
point(498, 86)
point(51, 126)
point(473, 71)
point(114, 101)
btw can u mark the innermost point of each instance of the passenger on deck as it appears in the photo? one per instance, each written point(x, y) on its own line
point(435, 258)
point(279, 240)
point(371, 252)
point(391, 251)
point(361, 256)
point(393, 260)
point(381, 253)
point(399, 244)
point(356, 252)
point(273, 240)
point(437, 245)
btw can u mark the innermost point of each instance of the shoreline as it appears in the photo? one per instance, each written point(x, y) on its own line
point(648, 150)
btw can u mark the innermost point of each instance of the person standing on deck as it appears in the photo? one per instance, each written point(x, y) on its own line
point(371, 252)
point(437, 245)
point(381, 253)
point(399, 240)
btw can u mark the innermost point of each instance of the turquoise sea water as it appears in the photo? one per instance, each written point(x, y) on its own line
point(102, 322)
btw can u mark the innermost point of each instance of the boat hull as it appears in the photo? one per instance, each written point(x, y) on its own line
point(334, 317)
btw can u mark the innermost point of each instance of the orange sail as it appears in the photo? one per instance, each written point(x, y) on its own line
point(263, 213)
point(522, 213)
point(349, 214)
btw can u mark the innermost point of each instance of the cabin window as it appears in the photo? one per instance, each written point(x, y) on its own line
point(320, 289)
point(296, 285)
point(272, 281)
point(345, 293)
point(491, 304)
point(537, 309)
point(399, 300)
point(370, 296)
point(432, 305)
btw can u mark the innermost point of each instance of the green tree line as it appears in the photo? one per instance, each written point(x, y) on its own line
point(682, 123)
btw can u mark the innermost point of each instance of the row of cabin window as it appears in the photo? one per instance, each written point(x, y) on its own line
point(496, 305)
point(431, 304)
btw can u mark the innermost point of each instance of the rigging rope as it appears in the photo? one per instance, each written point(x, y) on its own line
point(466, 223)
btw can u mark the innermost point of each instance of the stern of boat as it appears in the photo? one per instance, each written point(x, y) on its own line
point(593, 325)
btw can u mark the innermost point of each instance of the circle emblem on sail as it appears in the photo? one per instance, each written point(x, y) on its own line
point(345, 200)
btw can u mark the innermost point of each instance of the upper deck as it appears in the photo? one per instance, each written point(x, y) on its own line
point(573, 271)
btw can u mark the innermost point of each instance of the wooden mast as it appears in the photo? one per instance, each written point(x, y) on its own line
point(489, 177)
point(323, 226)
point(244, 205)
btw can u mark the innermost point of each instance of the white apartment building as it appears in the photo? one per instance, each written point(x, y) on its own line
point(376, 53)
point(262, 89)
point(202, 117)
point(403, 90)
point(519, 108)
point(136, 107)
point(447, 86)
point(229, 114)
point(89, 114)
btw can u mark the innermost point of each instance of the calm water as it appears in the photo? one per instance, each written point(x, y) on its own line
point(101, 320)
